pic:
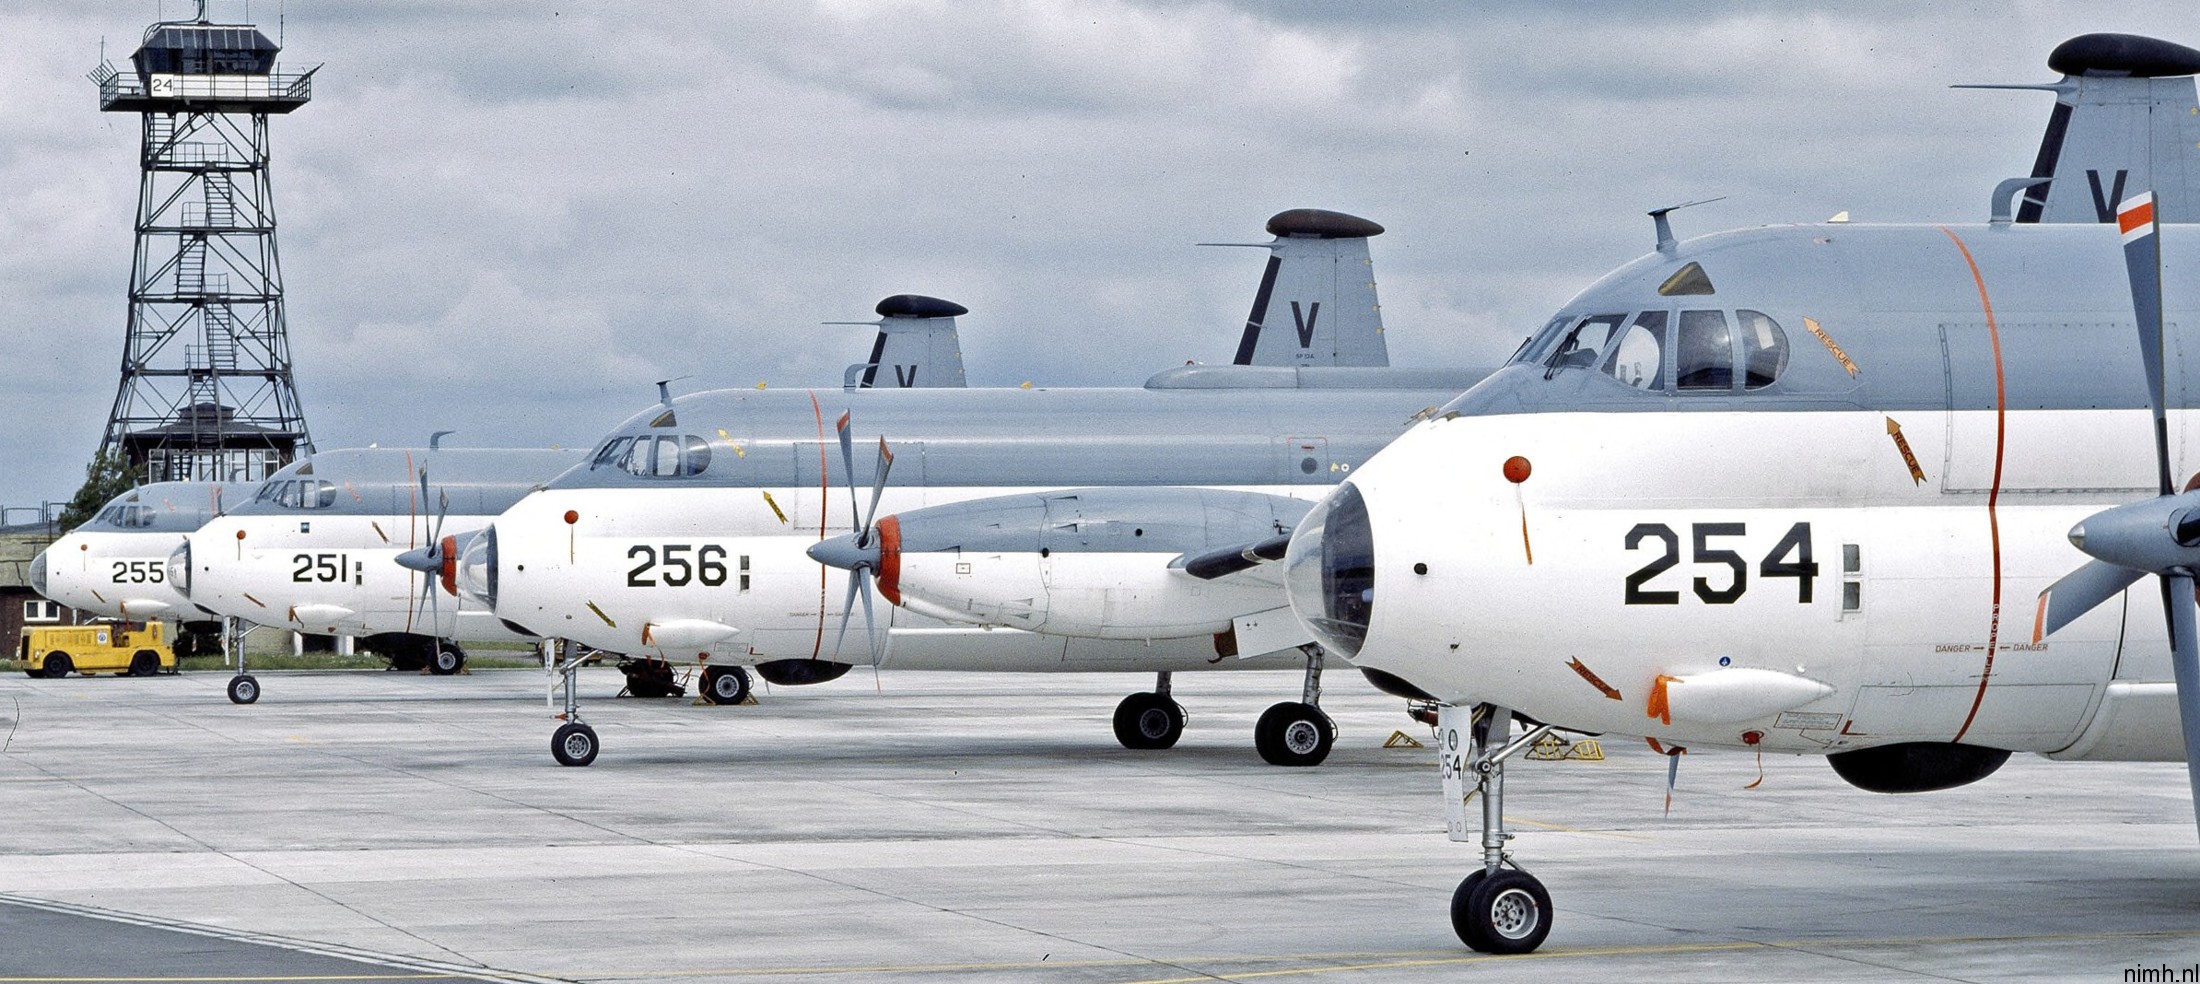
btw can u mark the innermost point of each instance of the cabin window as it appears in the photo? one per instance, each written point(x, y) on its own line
point(1703, 352)
point(1638, 358)
point(1764, 349)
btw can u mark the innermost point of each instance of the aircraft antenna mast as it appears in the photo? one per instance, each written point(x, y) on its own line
point(206, 391)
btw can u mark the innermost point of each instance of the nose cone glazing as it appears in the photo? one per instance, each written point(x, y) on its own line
point(477, 569)
point(179, 569)
point(38, 573)
point(1329, 571)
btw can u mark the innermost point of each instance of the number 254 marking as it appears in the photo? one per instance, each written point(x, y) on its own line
point(1795, 545)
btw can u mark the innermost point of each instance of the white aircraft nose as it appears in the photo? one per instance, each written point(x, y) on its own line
point(1329, 571)
point(38, 574)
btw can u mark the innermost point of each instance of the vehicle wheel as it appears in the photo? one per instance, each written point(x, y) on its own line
point(1148, 720)
point(1292, 733)
point(725, 684)
point(58, 665)
point(145, 663)
point(445, 658)
point(573, 743)
point(243, 689)
point(1508, 912)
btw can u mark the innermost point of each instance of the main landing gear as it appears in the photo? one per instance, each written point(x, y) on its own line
point(725, 685)
point(1501, 908)
point(1150, 720)
point(1293, 733)
point(1298, 733)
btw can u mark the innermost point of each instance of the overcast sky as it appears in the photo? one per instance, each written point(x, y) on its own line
point(508, 219)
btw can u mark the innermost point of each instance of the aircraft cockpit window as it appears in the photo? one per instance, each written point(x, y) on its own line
point(1584, 344)
point(667, 457)
point(1638, 358)
point(1764, 349)
point(1538, 345)
point(612, 454)
point(1703, 352)
point(297, 495)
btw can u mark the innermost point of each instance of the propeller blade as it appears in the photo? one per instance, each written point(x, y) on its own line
point(870, 628)
point(2143, 262)
point(2184, 646)
point(848, 468)
point(847, 607)
point(878, 488)
point(2079, 592)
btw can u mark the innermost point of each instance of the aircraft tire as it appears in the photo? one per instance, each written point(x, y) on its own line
point(1148, 721)
point(1507, 913)
point(1470, 932)
point(144, 663)
point(725, 685)
point(574, 744)
point(1294, 734)
point(445, 658)
point(58, 666)
point(243, 689)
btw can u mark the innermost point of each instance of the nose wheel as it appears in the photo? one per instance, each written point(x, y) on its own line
point(1500, 908)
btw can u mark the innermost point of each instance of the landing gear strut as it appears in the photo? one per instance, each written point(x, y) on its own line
point(1298, 734)
point(574, 743)
point(1501, 908)
point(243, 688)
point(1150, 720)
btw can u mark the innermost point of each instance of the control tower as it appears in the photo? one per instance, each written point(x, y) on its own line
point(206, 390)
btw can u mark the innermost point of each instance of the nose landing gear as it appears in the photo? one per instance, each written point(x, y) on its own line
point(1501, 908)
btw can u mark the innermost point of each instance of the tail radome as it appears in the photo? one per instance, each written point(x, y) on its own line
point(1316, 305)
point(917, 346)
point(2125, 119)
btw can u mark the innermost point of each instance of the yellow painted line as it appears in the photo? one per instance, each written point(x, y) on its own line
point(1562, 828)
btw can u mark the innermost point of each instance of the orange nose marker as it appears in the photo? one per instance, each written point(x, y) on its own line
point(1517, 470)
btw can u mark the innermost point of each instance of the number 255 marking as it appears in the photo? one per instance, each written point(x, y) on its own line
point(1795, 544)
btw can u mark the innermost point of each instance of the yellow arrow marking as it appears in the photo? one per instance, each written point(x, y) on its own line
point(1831, 346)
point(599, 614)
point(1902, 444)
point(776, 511)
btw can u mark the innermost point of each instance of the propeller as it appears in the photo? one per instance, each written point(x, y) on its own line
point(2160, 536)
point(862, 555)
point(439, 560)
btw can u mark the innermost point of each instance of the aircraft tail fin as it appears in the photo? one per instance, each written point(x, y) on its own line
point(1316, 305)
point(2125, 118)
point(917, 346)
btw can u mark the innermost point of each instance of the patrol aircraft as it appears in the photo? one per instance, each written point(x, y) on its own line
point(116, 563)
point(316, 550)
point(313, 550)
point(684, 537)
point(1820, 489)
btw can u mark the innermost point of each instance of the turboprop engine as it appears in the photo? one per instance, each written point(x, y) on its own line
point(1104, 563)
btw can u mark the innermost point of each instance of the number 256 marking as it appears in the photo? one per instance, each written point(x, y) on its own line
point(1777, 563)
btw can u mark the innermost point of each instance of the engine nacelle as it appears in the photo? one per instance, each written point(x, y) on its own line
point(1916, 766)
point(1095, 563)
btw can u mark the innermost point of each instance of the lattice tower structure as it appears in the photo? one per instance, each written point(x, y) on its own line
point(206, 392)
